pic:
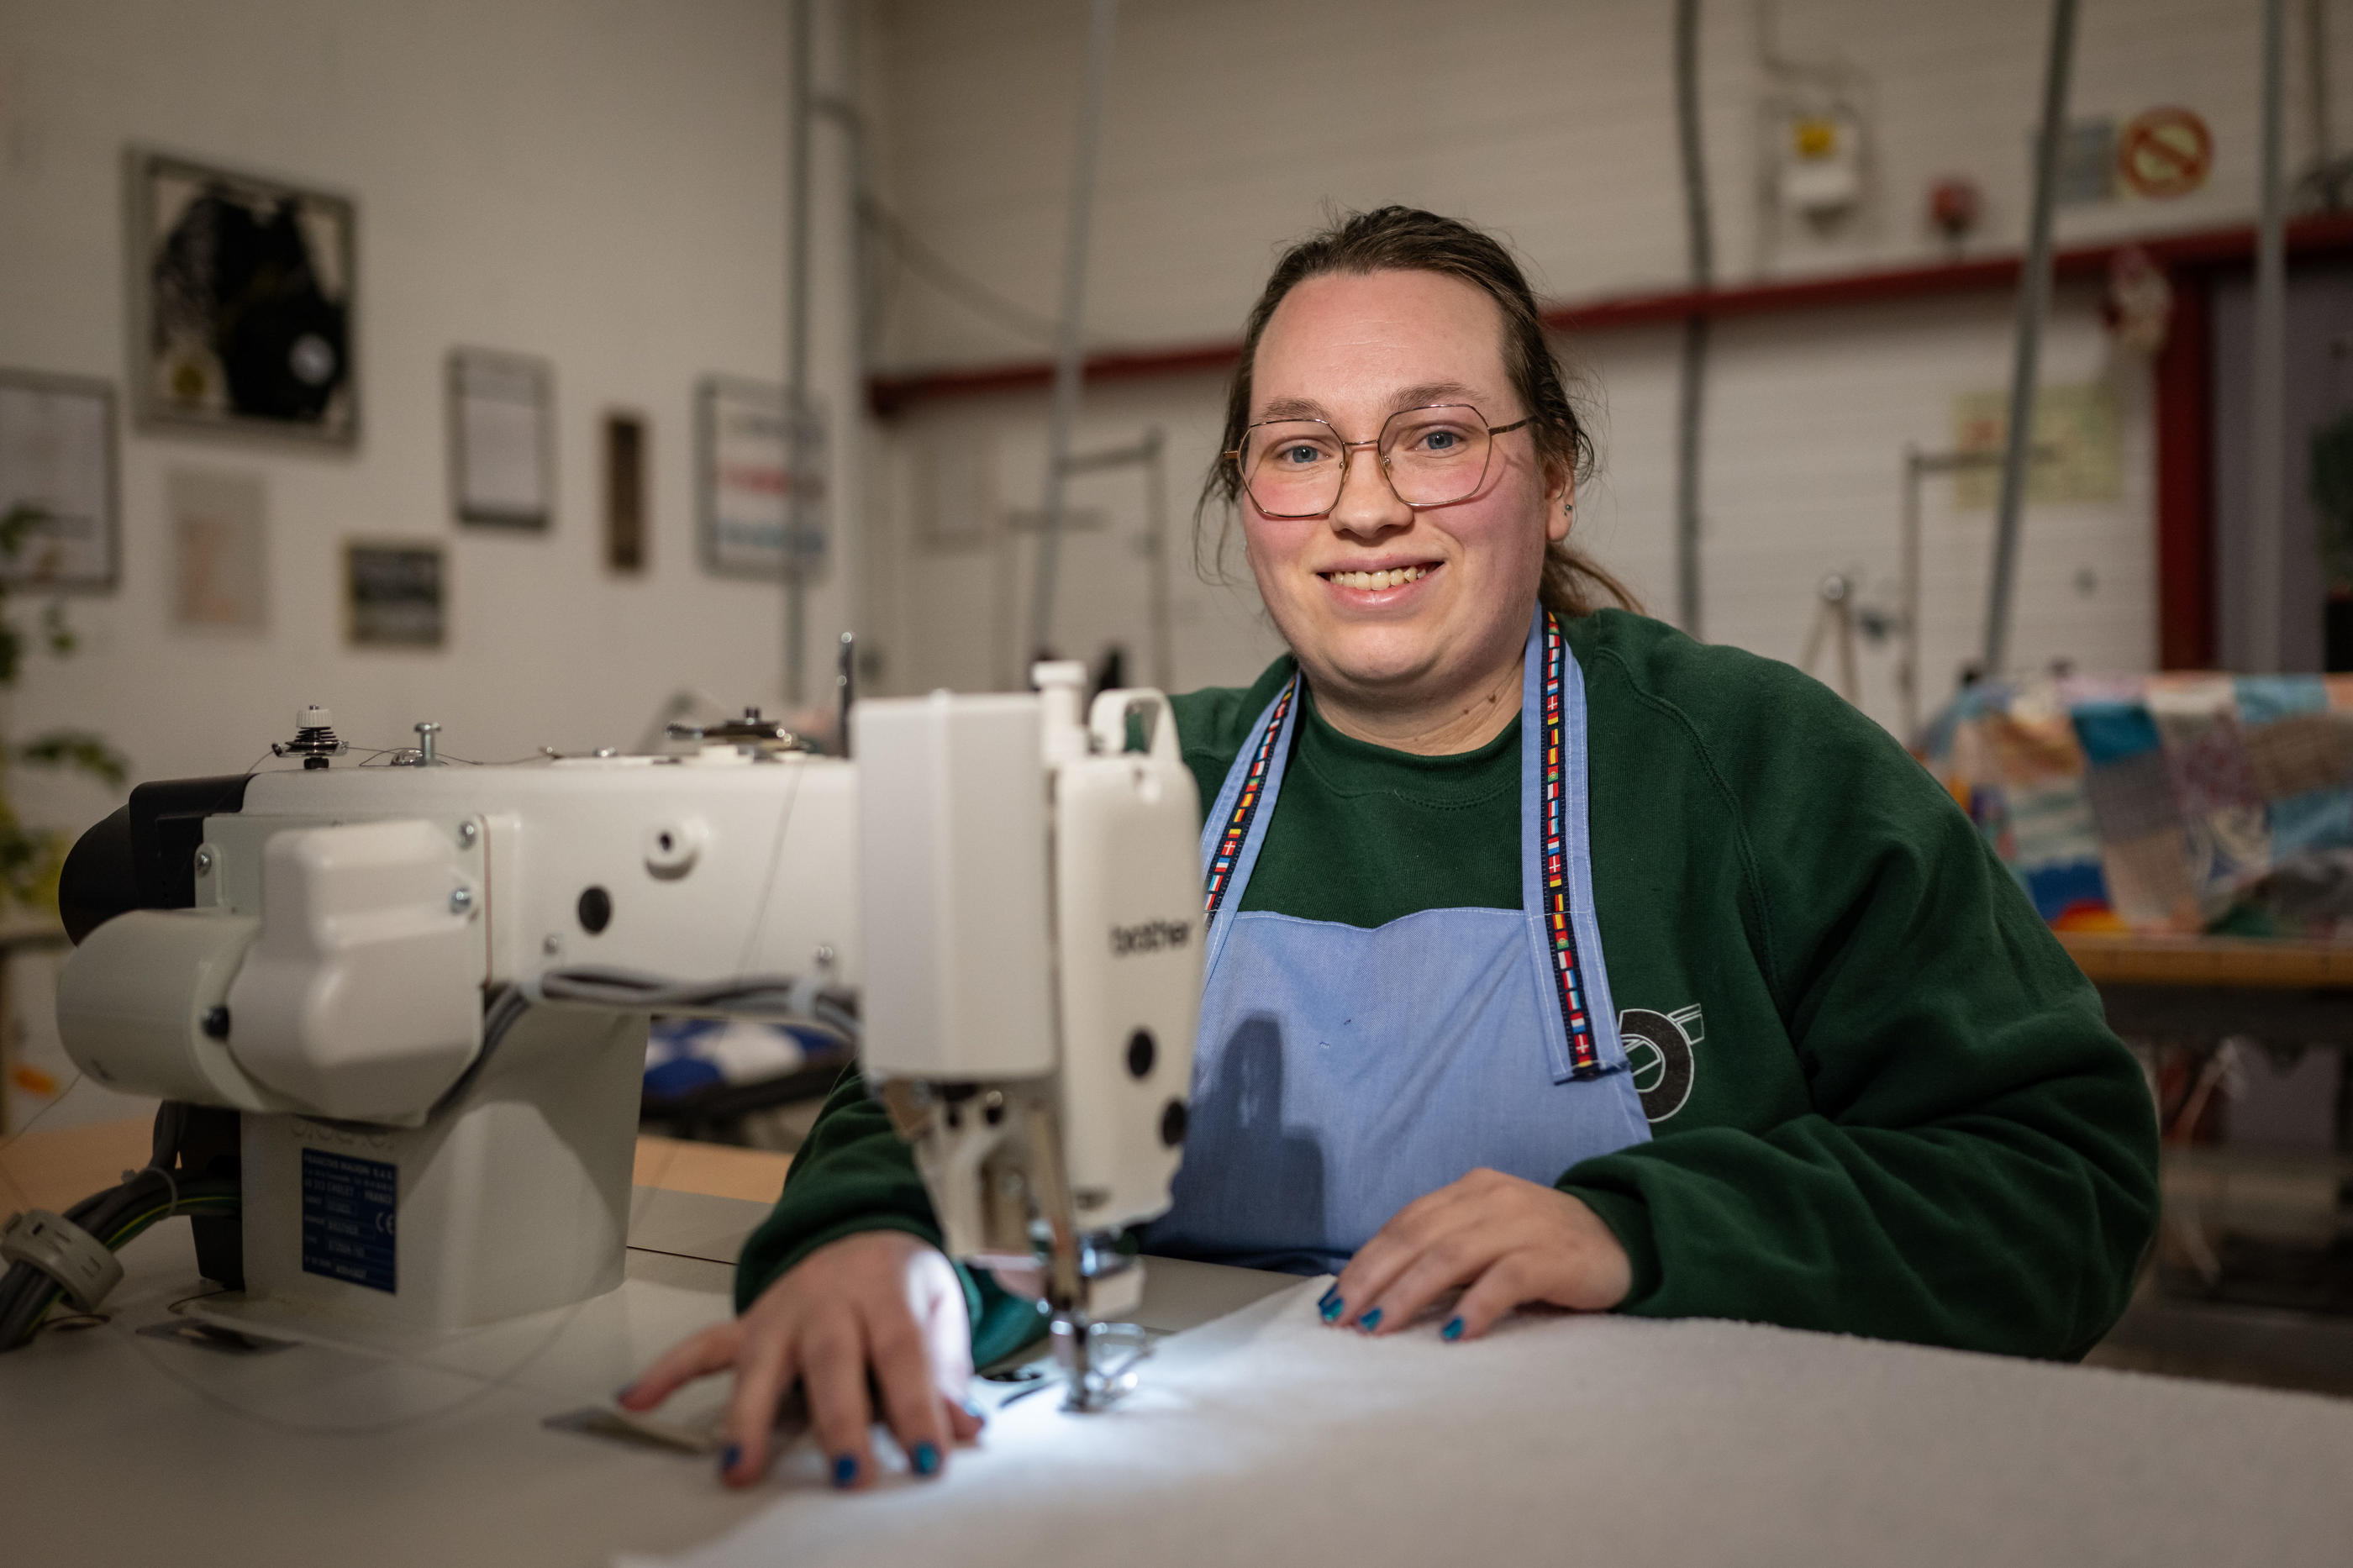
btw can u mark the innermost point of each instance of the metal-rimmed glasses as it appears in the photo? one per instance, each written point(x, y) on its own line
point(1435, 455)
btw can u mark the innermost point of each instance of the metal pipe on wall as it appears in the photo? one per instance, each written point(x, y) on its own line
point(2033, 306)
point(1692, 384)
point(1069, 362)
point(2267, 465)
point(796, 335)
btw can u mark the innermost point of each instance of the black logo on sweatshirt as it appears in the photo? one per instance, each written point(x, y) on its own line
point(1659, 1054)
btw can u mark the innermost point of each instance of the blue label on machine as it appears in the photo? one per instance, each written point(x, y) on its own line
point(347, 1209)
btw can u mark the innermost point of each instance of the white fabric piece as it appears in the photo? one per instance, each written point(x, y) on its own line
point(1268, 1438)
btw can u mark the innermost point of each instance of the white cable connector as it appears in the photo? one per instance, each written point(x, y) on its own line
point(77, 1260)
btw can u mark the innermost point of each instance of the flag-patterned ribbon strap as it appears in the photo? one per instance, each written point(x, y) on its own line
point(1584, 1060)
point(1229, 845)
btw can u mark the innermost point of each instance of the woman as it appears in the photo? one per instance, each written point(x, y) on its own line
point(1558, 959)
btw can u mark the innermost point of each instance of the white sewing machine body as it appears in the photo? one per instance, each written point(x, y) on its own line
point(414, 982)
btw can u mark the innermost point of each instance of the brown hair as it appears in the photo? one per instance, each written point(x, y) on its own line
point(1403, 240)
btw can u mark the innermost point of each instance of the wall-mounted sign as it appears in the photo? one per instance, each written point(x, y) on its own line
point(220, 576)
point(2165, 152)
point(57, 464)
point(243, 288)
point(2076, 433)
point(393, 593)
point(501, 462)
point(745, 476)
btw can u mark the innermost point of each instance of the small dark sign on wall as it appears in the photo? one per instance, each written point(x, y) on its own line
point(625, 493)
point(393, 593)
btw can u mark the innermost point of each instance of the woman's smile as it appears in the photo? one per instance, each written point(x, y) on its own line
point(1381, 586)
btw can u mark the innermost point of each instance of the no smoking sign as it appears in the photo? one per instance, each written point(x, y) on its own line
point(2165, 152)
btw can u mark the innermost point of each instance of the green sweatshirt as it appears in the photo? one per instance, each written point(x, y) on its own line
point(1882, 1097)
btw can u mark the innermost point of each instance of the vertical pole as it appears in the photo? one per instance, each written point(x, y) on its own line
point(1907, 667)
point(2267, 470)
point(1692, 387)
point(797, 345)
point(1156, 515)
point(2033, 305)
point(2316, 57)
point(1070, 365)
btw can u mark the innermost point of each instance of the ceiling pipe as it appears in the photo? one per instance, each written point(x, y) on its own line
point(2034, 308)
point(1692, 387)
point(1069, 349)
point(2267, 469)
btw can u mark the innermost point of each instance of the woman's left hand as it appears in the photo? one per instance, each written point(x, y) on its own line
point(1504, 1241)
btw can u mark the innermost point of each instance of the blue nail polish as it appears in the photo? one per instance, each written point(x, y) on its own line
point(729, 1455)
point(1452, 1330)
point(845, 1470)
point(926, 1458)
point(1332, 1308)
point(1329, 1296)
point(627, 1389)
point(1370, 1321)
point(976, 1412)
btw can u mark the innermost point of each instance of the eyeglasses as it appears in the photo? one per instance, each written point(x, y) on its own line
point(1432, 456)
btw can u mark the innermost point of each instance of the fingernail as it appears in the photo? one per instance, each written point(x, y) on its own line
point(976, 1412)
point(1332, 1307)
point(623, 1396)
point(729, 1455)
point(927, 1459)
point(1370, 1321)
point(1452, 1330)
point(1329, 1296)
point(845, 1470)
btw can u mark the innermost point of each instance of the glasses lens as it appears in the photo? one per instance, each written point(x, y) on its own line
point(1435, 455)
point(1292, 467)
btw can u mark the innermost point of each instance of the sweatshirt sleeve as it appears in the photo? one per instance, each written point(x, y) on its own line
point(855, 1174)
point(1978, 1167)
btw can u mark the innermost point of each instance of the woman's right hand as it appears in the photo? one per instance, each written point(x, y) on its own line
point(880, 1300)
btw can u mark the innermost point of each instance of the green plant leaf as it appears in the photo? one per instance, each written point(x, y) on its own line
point(79, 751)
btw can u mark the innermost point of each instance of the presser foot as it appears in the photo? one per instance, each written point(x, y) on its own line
point(1099, 1361)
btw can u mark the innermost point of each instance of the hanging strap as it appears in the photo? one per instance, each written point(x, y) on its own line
point(1584, 1056)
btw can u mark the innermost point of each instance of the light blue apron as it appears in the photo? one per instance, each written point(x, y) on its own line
point(1340, 1073)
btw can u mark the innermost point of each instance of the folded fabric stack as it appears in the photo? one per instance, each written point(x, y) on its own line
point(2163, 803)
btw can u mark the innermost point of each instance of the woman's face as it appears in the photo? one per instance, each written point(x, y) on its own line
point(1351, 351)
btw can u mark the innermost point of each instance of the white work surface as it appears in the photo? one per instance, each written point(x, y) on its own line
point(1269, 1438)
point(1261, 1437)
point(117, 1448)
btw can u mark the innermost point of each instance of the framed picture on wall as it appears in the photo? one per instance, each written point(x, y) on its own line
point(395, 594)
point(744, 480)
point(502, 438)
point(242, 302)
point(58, 481)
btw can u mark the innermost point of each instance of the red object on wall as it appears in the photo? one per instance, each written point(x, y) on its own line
point(2184, 385)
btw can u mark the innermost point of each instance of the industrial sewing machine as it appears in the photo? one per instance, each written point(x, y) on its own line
point(424, 987)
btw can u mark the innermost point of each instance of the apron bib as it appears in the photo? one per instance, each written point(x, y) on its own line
point(1340, 1073)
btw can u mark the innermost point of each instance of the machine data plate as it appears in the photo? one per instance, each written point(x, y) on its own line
point(347, 1212)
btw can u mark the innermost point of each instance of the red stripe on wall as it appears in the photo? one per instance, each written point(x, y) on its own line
point(2184, 478)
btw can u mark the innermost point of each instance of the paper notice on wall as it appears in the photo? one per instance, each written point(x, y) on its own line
point(57, 460)
point(502, 432)
point(220, 571)
point(2080, 450)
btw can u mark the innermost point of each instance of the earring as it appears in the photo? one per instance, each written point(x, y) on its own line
point(1567, 507)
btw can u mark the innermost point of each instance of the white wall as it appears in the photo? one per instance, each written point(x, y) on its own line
point(598, 183)
point(1233, 127)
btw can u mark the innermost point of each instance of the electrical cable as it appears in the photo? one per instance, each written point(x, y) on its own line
point(942, 274)
point(774, 998)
